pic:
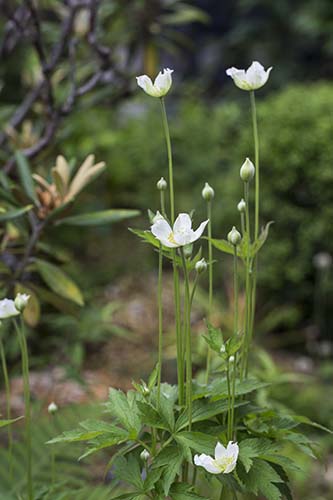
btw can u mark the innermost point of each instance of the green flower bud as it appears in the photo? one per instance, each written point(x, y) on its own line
point(247, 170)
point(208, 192)
point(241, 207)
point(234, 237)
point(144, 455)
point(52, 408)
point(21, 301)
point(162, 184)
point(201, 266)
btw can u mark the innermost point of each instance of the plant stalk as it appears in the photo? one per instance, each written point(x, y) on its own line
point(210, 281)
point(8, 406)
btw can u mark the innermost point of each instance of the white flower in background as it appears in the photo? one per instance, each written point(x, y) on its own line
point(181, 234)
point(224, 462)
point(52, 408)
point(201, 266)
point(8, 309)
point(161, 85)
point(208, 192)
point(247, 170)
point(158, 216)
point(253, 78)
point(21, 301)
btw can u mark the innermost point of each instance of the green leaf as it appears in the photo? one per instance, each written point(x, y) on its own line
point(125, 410)
point(198, 441)
point(171, 470)
point(183, 491)
point(146, 236)
point(153, 377)
point(150, 416)
point(14, 213)
point(305, 420)
point(152, 478)
point(129, 471)
point(214, 338)
point(256, 246)
point(26, 177)
point(219, 388)
point(59, 282)
point(223, 246)
point(252, 448)
point(261, 478)
point(204, 409)
point(98, 218)
point(4, 423)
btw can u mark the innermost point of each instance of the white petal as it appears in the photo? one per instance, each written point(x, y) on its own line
point(8, 309)
point(232, 450)
point(196, 234)
point(220, 451)
point(183, 223)
point(163, 82)
point(239, 78)
point(207, 463)
point(147, 85)
point(162, 231)
point(257, 76)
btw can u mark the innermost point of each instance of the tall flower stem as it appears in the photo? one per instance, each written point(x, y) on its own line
point(257, 214)
point(248, 292)
point(229, 430)
point(160, 309)
point(188, 340)
point(179, 340)
point(20, 330)
point(234, 372)
point(8, 408)
point(210, 279)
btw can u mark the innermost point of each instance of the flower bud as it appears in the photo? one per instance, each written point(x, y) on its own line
point(222, 349)
point(241, 207)
point(201, 266)
point(231, 359)
point(144, 455)
point(158, 216)
point(52, 408)
point(234, 237)
point(247, 170)
point(208, 192)
point(145, 389)
point(21, 301)
point(162, 184)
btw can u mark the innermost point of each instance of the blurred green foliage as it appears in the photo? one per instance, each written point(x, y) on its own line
point(210, 143)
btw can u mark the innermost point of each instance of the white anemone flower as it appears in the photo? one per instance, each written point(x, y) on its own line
point(161, 85)
point(224, 462)
point(253, 78)
point(8, 309)
point(181, 234)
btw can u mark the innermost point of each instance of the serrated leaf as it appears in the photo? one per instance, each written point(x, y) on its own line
point(59, 282)
point(125, 410)
point(252, 448)
point(261, 478)
point(4, 423)
point(183, 491)
point(150, 416)
point(14, 213)
point(197, 441)
point(98, 218)
point(129, 471)
point(204, 409)
point(171, 471)
point(26, 177)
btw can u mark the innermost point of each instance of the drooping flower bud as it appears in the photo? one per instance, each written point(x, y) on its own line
point(52, 408)
point(208, 192)
point(241, 207)
point(21, 301)
point(144, 455)
point(201, 266)
point(247, 170)
point(234, 237)
point(162, 184)
point(231, 359)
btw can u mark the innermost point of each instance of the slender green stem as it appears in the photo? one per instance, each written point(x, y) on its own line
point(160, 312)
point(229, 403)
point(20, 330)
point(179, 340)
point(256, 160)
point(8, 406)
point(234, 373)
point(194, 477)
point(245, 349)
point(170, 163)
point(210, 281)
point(188, 351)
point(221, 495)
point(242, 222)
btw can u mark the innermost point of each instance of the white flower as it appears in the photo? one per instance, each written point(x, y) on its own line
point(8, 309)
point(253, 78)
point(161, 85)
point(52, 408)
point(21, 301)
point(224, 462)
point(181, 234)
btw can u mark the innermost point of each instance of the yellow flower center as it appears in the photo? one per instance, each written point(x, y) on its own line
point(171, 238)
point(223, 463)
